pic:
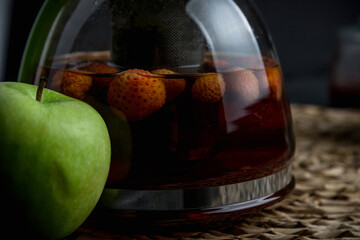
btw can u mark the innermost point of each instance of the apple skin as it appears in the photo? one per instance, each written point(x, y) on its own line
point(54, 160)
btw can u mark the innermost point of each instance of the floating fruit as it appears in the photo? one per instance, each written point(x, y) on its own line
point(99, 68)
point(243, 85)
point(173, 86)
point(209, 87)
point(137, 93)
point(275, 82)
point(73, 83)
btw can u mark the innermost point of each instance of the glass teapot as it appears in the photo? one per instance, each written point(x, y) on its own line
point(192, 94)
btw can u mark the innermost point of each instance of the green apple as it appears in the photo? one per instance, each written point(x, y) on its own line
point(54, 160)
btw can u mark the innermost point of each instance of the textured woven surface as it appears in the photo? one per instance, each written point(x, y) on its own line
point(325, 203)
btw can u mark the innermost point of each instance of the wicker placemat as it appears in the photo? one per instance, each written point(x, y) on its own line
point(325, 203)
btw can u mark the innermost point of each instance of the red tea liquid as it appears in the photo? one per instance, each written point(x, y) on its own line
point(194, 139)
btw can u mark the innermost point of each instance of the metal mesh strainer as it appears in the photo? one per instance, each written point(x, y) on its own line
point(154, 34)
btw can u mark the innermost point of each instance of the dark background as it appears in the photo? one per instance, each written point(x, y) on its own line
point(304, 33)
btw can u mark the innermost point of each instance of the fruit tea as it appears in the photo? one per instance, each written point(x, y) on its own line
point(227, 122)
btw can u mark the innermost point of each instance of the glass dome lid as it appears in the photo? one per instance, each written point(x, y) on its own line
point(186, 36)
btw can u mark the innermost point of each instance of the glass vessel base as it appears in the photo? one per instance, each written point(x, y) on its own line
point(190, 209)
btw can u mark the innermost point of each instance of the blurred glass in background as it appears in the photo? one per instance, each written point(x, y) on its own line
point(345, 77)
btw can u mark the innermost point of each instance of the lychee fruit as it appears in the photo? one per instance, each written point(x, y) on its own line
point(99, 68)
point(73, 83)
point(274, 77)
point(243, 85)
point(173, 86)
point(137, 93)
point(208, 88)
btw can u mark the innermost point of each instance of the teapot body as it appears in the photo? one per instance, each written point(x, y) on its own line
point(193, 97)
